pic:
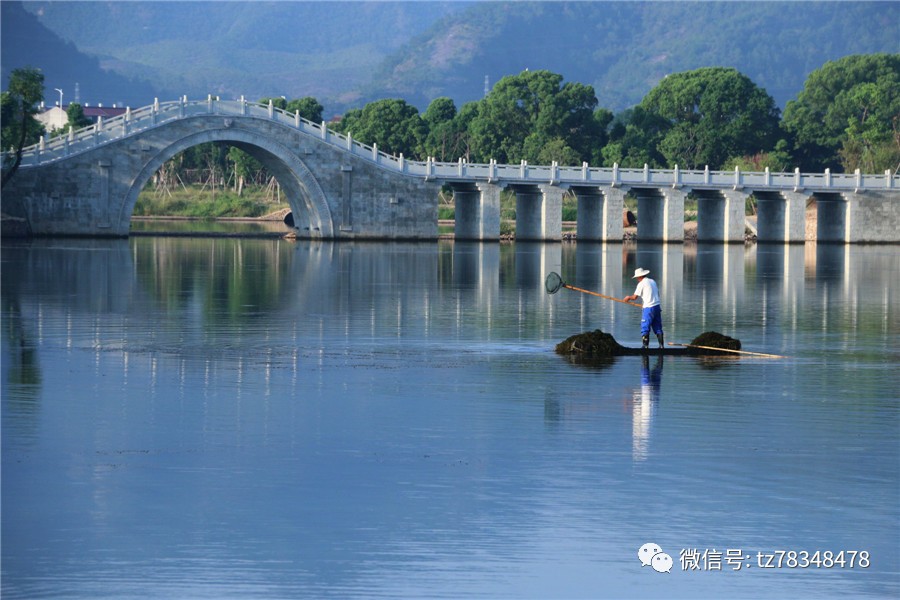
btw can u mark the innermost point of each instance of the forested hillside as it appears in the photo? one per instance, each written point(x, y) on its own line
point(28, 43)
point(349, 53)
point(323, 49)
point(624, 48)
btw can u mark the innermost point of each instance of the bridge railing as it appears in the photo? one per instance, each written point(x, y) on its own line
point(132, 122)
point(615, 176)
point(102, 132)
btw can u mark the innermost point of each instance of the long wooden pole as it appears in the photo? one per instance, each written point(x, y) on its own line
point(728, 350)
point(577, 289)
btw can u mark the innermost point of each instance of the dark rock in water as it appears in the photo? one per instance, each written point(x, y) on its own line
point(596, 344)
point(591, 344)
point(715, 339)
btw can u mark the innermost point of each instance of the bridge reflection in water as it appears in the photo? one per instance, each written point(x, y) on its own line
point(724, 287)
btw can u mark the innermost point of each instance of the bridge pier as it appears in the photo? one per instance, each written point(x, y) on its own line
point(649, 214)
point(720, 215)
point(781, 216)
point(477, 211)
point(851, 218)
point(832, 218)
point(528, 212)
point(600, 213)
point(660, 214)
point(673, 215)
point(82, 197)
point(538, 212)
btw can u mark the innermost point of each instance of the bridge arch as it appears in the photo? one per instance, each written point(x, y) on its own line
point(312, 215)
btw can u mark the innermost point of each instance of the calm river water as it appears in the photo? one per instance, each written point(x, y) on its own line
point(237, 418)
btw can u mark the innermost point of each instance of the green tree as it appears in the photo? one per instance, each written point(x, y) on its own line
point(245, 166)
point(462, 125)
point(391, 123)
point(19, 106)
point(873, 133)
point(603, 119)
point(75, 119)
point(441, 110)
point(279, 102)
point(847, 115)
point(778, 160)
point(308, 107)
point(634, 139)
point(555, 150)
point(205, 163)
point(442, 139)
point(575, 120)
point(524, 112)
point(712, 114)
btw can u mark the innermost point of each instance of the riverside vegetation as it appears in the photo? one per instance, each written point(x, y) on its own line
point(195, 202)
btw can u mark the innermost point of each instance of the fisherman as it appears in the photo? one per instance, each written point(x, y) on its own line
point(651, 317)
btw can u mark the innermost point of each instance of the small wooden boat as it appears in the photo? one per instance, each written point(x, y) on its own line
point(598, 345)
point(670, 351)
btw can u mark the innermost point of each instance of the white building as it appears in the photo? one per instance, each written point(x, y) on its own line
point(56, 117)
point(52, 118)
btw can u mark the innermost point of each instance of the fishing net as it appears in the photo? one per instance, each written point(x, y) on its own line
point(553, 283)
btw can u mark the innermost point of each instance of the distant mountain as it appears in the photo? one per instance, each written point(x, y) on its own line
point(25, 42)
point(624, 49)
point(322, 49)
point(349, 53)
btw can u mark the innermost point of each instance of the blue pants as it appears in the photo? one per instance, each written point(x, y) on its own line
point(651, 318)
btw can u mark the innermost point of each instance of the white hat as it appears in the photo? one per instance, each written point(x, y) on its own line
point(639, 272)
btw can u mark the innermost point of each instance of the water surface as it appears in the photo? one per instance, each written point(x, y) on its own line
point(260, 418)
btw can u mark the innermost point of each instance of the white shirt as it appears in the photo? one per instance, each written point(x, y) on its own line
point(647, 290)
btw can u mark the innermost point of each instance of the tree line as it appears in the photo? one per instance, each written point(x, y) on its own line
point(846, 117)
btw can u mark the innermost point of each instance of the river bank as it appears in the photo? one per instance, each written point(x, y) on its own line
point(277, 215)
point(17, 227)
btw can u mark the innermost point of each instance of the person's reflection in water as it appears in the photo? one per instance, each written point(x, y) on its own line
point(644, 405)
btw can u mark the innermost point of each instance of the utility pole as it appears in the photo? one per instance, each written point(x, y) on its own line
point(60, 96)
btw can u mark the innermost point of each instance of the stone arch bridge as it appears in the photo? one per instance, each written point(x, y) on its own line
point(86, 184)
